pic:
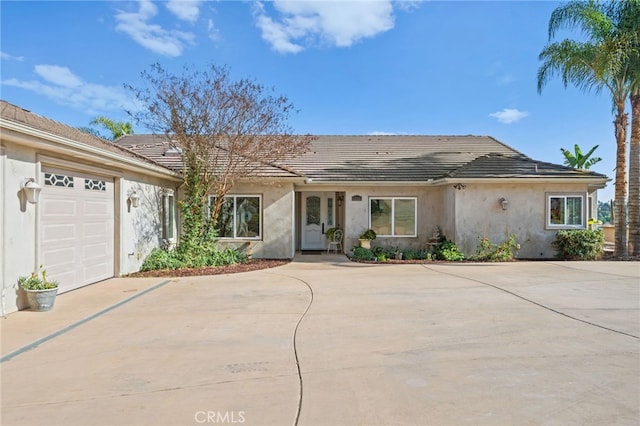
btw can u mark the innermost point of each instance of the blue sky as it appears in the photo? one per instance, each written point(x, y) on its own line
point(359, 67)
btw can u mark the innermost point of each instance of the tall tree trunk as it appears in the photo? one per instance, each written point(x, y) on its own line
point(634, 175)
point(621, 122)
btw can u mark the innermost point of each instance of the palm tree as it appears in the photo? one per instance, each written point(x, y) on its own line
point(600, 62)
point(116, 128)
point(577, 160)
point(634, 174)
point(630, 25)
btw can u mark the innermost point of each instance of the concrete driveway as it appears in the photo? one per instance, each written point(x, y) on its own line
point(323, 341)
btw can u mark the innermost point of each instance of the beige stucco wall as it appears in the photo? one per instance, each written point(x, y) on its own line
point(430, 213)
point(141, 227)
point(463, 215)
point(18, 249)
point(478, 213)
point(136, 232)
point(277, 240)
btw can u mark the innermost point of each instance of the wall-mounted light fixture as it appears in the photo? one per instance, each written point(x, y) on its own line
point(31, 190)
point(504, 203)
point(134, 199)
point(340, 199)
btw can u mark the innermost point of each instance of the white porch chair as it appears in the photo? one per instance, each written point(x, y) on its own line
point(336, 243)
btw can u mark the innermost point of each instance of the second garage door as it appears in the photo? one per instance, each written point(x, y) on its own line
point(77, 232)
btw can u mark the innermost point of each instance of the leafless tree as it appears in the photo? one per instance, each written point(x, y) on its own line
point(226, 130)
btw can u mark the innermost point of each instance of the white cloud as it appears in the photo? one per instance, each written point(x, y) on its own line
point(509, 115)
point(150, 36)
point(60, 76)
point(383, 133)
point(301, 23)
point(62, 86)
point(212, 30)
point(187, 10)
point(6, 57)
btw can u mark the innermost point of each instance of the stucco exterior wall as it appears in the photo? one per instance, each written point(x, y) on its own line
point(478, 213)
point(277, 242)
point(18, 249)
point(141, 227)
point(430, 212)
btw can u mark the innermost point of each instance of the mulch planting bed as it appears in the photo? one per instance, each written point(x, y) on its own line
point(252, 265)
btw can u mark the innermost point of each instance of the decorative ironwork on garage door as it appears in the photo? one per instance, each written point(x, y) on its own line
point(95, 185)
point(52, 179)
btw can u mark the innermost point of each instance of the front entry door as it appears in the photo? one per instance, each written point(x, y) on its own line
point(318, 215)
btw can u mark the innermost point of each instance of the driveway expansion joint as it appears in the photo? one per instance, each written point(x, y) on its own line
point(78, 323)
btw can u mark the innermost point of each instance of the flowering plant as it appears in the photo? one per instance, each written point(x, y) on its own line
point(37, 282)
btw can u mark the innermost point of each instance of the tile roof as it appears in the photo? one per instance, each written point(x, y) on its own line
point(392, 158)
point(502, 166)
point(341, 158)
point(17, 114)
point(408, 158)
point(161, 150)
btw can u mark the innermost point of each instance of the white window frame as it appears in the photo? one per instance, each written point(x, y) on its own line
point(565, 196)
point(168, 215)
point(393, 212)
point(235, 206)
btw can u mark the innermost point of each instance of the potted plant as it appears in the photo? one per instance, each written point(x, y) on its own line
point(366, 237)
point(41, 291)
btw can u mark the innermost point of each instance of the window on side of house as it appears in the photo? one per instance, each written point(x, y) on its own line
point(167, 215)
point(239, 217)
point(393, 216)
point(565, 211)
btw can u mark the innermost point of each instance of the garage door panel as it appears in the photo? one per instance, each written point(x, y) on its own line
point(63, 275)
point(97, 208)
point(95, 229)
point(59, 207)
point(98, 272)
point(59, 258)
point(95, 251)
point(58, 233)
point(77, 236)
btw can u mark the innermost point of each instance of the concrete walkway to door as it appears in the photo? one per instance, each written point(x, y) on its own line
point(323, 341)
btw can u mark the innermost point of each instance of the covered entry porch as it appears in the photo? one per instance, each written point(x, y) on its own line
point(315, 213)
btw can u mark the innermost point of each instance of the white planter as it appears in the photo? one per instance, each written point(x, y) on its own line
point(41, 300)
point(365, 244)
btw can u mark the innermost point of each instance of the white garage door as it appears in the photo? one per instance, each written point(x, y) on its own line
point(76, 240)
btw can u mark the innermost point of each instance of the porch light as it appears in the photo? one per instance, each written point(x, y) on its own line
point(31, 190)
point(504, 203)
point(134, 199)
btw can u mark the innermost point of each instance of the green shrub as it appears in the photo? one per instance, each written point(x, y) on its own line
point(447, 250)
point(162, 259)
point(490, 252)
point(362, 253)
point(227, 256)
point(174, 259)
point(579, 244)
point(368, 234)
point(411, 254)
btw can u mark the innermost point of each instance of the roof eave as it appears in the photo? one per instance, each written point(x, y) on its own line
point(22, 134)
point(591, 180)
